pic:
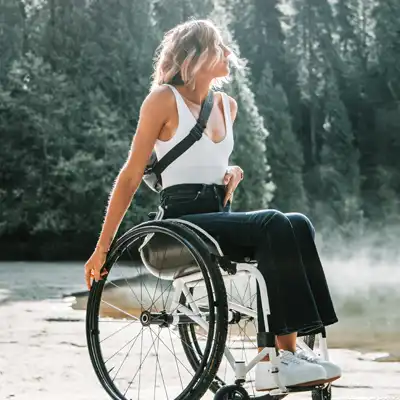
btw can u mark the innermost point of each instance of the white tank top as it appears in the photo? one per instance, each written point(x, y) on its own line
point(205, 161)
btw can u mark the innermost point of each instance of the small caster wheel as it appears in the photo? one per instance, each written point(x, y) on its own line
point(232, 392)
point(322, 393)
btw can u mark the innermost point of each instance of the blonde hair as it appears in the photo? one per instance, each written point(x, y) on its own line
point(184, 50)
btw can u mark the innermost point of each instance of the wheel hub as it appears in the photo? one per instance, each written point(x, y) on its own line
point(162, 319)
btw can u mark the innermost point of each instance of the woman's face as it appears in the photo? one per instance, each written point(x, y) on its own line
point(221, 68)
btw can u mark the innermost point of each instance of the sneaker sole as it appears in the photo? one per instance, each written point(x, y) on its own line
point(311, 383)
point(333, 379)
point(316, 383)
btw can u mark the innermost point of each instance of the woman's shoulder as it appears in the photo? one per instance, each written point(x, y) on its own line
point(160, 98)
point(160, 93)
point(232, 104)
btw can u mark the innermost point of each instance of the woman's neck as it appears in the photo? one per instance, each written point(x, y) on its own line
point(198, 95)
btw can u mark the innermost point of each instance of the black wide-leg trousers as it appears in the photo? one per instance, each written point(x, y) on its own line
point(282, 244)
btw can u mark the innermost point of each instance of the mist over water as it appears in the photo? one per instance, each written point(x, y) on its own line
point(365, 287)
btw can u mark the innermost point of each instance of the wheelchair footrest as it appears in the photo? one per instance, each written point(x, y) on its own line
point(293, 389)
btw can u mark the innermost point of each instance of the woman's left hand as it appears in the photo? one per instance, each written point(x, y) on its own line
point(232, 178)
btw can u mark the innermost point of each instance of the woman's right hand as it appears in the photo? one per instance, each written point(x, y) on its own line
point(93, 267)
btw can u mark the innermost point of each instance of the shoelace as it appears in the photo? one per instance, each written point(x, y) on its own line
point(303, 356)
point(290, 357)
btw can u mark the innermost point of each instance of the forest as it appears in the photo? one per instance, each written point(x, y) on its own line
point(317, 130)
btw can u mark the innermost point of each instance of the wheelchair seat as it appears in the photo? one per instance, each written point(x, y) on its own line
point(169, 259)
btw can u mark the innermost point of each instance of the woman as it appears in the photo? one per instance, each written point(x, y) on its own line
point(198, 187)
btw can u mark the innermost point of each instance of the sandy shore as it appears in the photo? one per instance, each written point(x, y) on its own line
point(44, 356)
point(43, 353)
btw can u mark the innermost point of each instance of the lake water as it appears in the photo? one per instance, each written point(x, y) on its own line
point(367, 297)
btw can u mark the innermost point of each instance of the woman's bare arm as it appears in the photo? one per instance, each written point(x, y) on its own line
point(154, 113)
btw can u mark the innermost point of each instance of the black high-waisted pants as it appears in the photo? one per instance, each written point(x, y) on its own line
point(282, 244)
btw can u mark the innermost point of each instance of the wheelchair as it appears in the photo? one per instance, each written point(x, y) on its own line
point(175, 318)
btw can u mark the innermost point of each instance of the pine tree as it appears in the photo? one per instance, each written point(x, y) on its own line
point(169, 13)
point(307, 51)
point(12, 34)
point(356, 85)
point(387, 14)
point(338, 170)
point(256, 190)
point(332, 176)
point(118, 58)
point(283, 149)
point(384, 96)
point(257, 27)
point(56, 167)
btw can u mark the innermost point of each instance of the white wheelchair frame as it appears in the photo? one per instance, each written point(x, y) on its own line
point(183, 285)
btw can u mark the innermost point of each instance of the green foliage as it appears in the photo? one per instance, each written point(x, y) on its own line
point(318, 109)
point(60, 154)
point(339, 177)
point(256, 190)
point(250, 150)
point(12, 35)
point(283, 149)
point(169, 13)
point(387, 15)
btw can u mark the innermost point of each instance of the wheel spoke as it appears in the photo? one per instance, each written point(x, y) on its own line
point(158, 361)
point(250, 381)
point(174, 355)
point(177, 367)
point(119, 330)
point(140, 374)
point(119, 309)
point(128, 284)
point(126, 344)
point(139, 369)
point(155, 375)
point(239, 340)
point(179, 304)
point(141, 282)
point(154, 294)
point(123, 361)
point(162, 293)
point(247, 287)
point(245, 334)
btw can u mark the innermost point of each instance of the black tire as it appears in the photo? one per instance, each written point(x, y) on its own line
point(216, 296)
point(232, 392)
point(322, 394)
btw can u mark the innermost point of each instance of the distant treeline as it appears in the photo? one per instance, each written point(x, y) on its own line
point(317, 130)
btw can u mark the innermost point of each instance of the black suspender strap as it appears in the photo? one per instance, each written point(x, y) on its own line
point(194, 135)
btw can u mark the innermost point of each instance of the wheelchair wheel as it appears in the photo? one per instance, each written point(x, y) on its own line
point(323, 393)
point(132, 317)
point(241, 337)
point(232, 392)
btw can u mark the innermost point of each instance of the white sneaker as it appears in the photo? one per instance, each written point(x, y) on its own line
point(292, 371)
point(333, 372)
